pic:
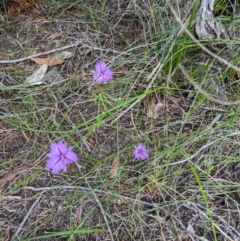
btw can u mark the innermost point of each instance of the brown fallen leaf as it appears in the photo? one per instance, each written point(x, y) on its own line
point(49, 61)
point(114, 170)
point(154, 109)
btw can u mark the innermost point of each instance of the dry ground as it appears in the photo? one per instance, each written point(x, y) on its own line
point(187, 190)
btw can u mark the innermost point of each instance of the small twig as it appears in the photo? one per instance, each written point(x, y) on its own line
point(201, 149)
point(39, 189)
point(55, 50)
point(194, 155)
point(39, 54)
point(199, 208)
point(214, 121)
point(25, 218)
point(226, 224)
point(2, 197)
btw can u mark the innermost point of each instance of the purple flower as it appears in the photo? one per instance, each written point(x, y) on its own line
point(140, 152)
point(102, 74)
point(59, 156)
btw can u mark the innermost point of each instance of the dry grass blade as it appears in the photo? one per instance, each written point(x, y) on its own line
point(11, 175)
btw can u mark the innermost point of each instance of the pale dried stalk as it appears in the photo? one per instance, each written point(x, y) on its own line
point(207, 27)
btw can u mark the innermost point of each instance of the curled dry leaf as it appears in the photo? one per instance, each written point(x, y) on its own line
point(114, 170)
point(154, 109)
point(36, 77)
point(49, 61)
point(64, 55)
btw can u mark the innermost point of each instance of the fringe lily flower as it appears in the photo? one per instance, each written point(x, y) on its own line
point(60, 155)
point(140, 152)
point(102, 74)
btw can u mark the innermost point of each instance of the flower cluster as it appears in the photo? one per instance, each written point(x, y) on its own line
point(60, 155)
